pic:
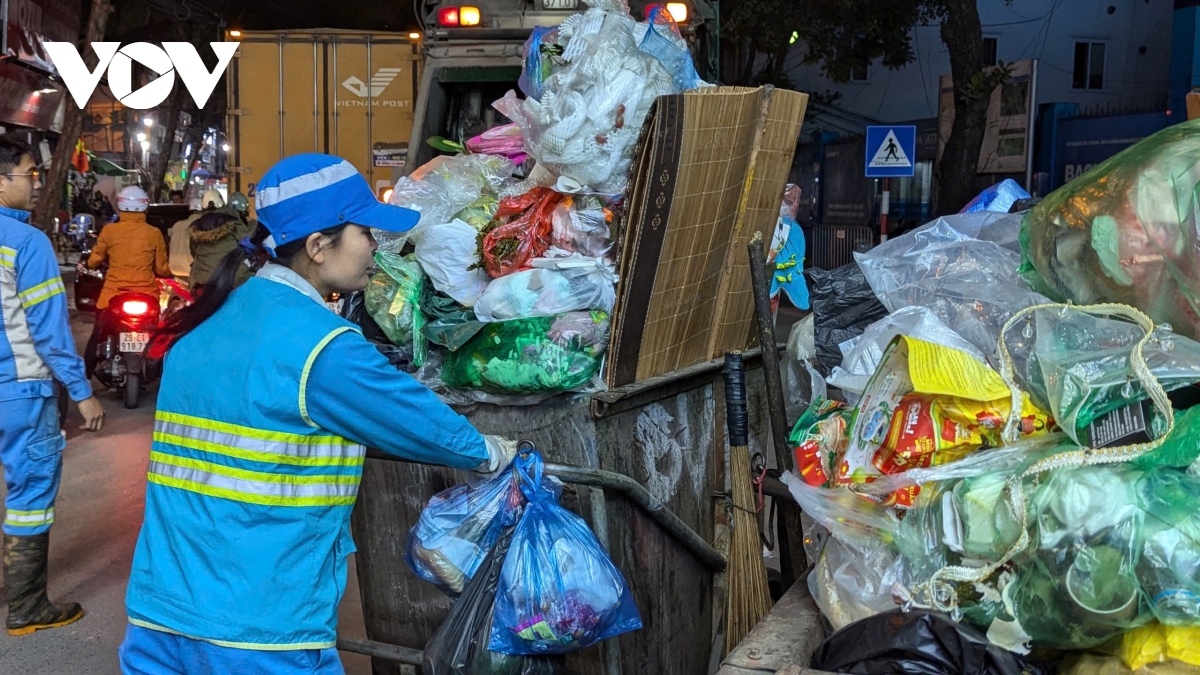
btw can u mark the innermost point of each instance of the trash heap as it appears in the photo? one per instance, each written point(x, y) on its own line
point(502, 291)
point(1025, 467)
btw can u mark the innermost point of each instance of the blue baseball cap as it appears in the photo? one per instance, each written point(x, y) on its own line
point(307, 193)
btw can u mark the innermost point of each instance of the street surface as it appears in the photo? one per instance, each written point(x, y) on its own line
point(97, 517)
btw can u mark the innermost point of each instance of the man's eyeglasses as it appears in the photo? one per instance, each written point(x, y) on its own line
point(33, 174)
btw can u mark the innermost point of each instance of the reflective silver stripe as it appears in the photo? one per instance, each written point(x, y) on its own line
point(8, 257)
point(259, 444)
point(42, 292)
point(28, 362)
point(253, 487)
point(309, 182)
point(29, 518)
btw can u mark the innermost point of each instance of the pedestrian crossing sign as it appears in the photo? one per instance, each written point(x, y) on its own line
point(891, 151)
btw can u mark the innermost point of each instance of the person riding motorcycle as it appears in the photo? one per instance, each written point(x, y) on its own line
point(212, 239)
point(136, 254)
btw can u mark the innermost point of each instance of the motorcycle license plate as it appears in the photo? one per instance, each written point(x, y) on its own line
point(133, 342)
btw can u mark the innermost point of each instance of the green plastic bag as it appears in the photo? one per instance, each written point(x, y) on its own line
point(526, 356)
point(1126, 232)
point(447, 323)
point(393, 301)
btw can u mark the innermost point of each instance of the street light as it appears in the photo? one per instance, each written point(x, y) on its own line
point(141, 137)
point(148, 121)
point(225, 147)
point(145, 146)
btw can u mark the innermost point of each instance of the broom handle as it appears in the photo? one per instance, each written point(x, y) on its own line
point(760, 281)
point(735, 399)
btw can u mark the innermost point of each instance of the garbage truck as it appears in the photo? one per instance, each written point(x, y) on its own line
point(472, 56)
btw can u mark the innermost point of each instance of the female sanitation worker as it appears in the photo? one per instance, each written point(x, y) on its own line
point(267, 402)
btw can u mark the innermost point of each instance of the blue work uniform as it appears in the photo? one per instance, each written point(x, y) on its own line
point(36, 348)
point(263, 415)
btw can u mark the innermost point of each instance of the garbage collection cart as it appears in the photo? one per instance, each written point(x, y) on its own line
point(667, 435)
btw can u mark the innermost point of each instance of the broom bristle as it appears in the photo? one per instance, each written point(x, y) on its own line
point(749, 597)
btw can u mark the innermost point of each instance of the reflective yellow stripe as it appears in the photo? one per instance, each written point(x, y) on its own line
point(8, 257)
point(237, 496)
point(250, 432)
point(41, 292)
point(312, 357)
point(244, 474)
point(29, 518)
point(236, 645)
point(259, 456)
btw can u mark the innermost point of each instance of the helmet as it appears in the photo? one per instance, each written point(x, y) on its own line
point(238, 201)
point(80, 224)
point(132, 198)
point(212, 196)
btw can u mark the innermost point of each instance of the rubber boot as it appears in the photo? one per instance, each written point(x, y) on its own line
point(29, 609)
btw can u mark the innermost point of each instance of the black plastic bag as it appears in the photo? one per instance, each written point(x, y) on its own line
point(843, 305)
point(459, 647)
point(919, 642)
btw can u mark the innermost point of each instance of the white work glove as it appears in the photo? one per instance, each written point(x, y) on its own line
point(500, 454)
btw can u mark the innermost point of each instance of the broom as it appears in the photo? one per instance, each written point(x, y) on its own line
point(748, 598)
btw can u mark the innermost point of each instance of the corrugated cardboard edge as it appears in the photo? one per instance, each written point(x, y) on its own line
point(783, 117)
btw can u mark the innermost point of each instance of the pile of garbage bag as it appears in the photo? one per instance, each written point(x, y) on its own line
point(502, 291)
point(532, 581)
point(1012, 464)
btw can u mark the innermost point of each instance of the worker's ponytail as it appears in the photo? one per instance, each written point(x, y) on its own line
point(222, 283)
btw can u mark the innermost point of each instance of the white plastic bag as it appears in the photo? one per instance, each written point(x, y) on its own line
point(553, 286)
point(445, 252)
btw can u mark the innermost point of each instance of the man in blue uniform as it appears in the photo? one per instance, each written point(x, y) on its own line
point(36, 348)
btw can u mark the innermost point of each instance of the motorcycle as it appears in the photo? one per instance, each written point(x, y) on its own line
point(125, 328)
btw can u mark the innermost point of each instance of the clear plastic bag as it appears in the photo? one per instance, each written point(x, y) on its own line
point(457, 529)
point(580, 224)
point(553, 286)
point(430, 200)
point(1077, 588)
point(449, 254)
point(393, 299)
point(852, 582)
point(559, 591)
point(1076, 366)
point(1169, 569)
point(962, 268)
point(664, 42)
point(592, 109)
point(531, 356)
point(1126, 231)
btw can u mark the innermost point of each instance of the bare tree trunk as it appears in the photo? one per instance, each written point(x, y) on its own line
point(963, 36)
point(56, 176)
point(159, 169)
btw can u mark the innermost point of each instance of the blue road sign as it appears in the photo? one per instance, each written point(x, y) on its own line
point(891, 151)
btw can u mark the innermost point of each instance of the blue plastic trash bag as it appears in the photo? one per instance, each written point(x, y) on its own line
point(998, 198)
point(664, 42)
point(458, 528)
point(558, 591)
point(540, 50)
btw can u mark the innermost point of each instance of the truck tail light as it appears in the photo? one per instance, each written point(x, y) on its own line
point(677, 10)
point(459, 16)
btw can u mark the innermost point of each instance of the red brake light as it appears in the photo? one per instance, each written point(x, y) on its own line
point(135, 307)
point(459, 16)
